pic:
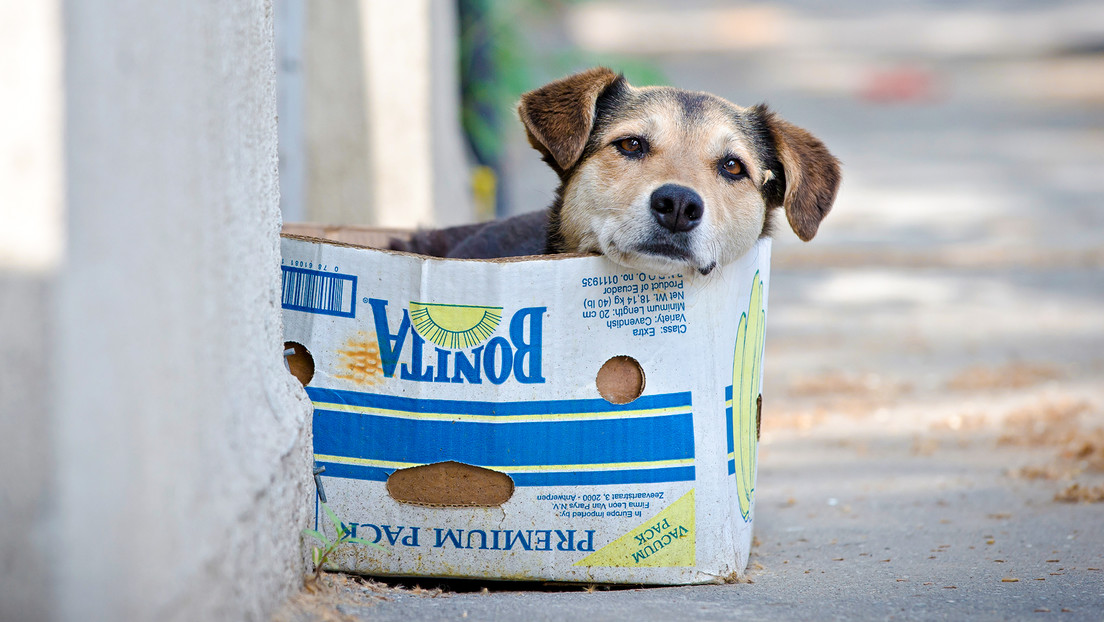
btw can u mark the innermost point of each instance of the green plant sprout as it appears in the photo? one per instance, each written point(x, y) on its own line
point(322, 556)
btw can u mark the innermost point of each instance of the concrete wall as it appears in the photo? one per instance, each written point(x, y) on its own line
point(156, 462)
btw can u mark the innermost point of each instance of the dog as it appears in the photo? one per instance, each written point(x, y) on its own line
point(655, 178)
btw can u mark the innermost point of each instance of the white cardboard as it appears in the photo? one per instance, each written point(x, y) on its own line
point(657, 491)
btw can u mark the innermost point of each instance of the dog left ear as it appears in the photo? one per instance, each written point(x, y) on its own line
point(812, 174)
point(558, 117)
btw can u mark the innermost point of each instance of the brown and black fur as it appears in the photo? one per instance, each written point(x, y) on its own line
point(606, 201)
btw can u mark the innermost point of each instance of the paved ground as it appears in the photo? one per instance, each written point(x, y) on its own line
point(933, 425)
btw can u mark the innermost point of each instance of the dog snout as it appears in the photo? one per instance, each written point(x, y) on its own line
point(677, 208)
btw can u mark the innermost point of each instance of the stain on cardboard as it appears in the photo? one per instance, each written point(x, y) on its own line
point(758, 415)
point(620, 380)
point(359, 360)
point(299, 361)
point(451, 483)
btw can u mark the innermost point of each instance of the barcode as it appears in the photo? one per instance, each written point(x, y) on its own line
point(318, 292)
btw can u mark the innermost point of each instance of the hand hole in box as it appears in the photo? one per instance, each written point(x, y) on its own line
point(620, 380)
point(299, 361)
point(450, 483)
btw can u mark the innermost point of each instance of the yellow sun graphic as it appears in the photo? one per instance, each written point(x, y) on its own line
point(456, 327)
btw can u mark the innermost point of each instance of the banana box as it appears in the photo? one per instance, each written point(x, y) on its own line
point(552, 418)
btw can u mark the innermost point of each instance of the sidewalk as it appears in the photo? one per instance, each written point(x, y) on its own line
point(902, 481)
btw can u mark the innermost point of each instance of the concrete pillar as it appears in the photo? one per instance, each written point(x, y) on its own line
point(289, 26)
point(383, 140)
point(451, 168)
point(395, 43)
point(160, 462)
point(338, 185)
point(31, 237)
point(31, 244)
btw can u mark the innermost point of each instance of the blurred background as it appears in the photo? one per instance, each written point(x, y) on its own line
point(912, 95)
point(934, 374)
point(936, 353)
point(971, 217)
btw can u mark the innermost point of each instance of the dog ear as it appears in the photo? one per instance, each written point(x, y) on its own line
point(558, 117)
point(811, 174)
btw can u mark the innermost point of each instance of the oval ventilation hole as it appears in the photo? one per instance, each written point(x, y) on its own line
point(299, 361)
point(450, 484)
point(621, 380)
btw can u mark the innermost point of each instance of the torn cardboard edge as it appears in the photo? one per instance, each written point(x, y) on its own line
point(379, 239)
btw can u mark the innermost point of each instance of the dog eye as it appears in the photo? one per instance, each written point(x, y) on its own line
point(732, 168)
point(632, 146)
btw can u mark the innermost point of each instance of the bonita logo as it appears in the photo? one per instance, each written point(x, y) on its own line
point(457, 334)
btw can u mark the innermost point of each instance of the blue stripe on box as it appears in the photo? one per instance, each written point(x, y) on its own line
point(415, 441)
point(385, 433)
point(568, 478)
point(729, 423)
point(459, 407)
point(582, 478)
point(354, 471)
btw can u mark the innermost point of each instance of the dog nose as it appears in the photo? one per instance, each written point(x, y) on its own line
point(677, 208)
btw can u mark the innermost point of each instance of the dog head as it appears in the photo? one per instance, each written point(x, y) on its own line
point(664, 179)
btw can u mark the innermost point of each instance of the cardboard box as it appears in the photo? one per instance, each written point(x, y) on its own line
point(580, 421)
